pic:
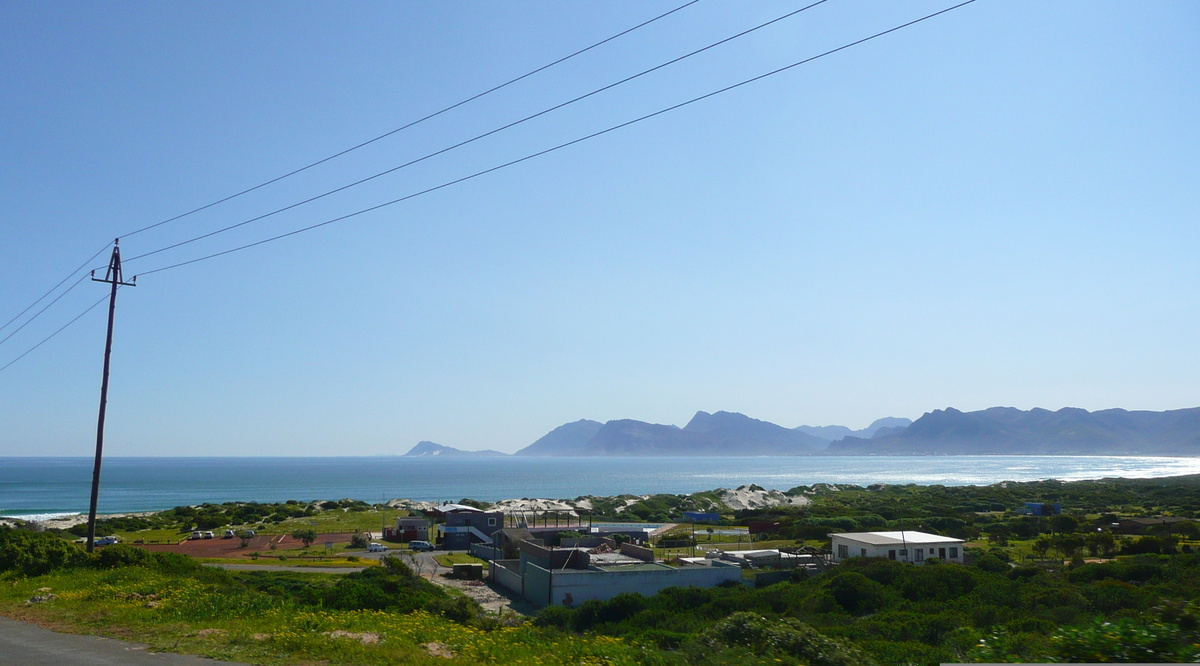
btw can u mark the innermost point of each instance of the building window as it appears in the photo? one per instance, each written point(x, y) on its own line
point(843, 551)
point(953, 552)
point(891, 554)
point(920, 555)
point(491, 522)
point(863, 552)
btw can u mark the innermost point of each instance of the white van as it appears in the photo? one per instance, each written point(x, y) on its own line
point(374, 547)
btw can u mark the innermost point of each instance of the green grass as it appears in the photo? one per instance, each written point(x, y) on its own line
point(166, 535)
point(211, 614)
point(337, 520)
point(450, 559)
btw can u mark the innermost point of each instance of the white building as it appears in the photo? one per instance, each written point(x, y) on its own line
point(905, 546)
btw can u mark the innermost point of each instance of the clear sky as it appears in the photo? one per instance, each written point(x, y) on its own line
point(998, 206)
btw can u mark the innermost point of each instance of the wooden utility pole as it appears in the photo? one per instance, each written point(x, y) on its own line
point(113, 277)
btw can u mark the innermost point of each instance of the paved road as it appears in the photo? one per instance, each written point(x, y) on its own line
point(24, 643)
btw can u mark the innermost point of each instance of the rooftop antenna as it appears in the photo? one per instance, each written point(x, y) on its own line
point(112, 276)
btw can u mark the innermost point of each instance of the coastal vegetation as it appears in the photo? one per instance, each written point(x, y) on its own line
point(1067, 586)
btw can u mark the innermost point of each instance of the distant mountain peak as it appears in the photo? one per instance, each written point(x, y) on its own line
point(427, 449)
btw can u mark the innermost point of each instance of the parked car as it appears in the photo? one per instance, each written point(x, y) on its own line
point(375, 547)
point(420, 545)
point(228, 534)
point(196, 535)
point(249, 533)
point(209, 535)
point(107, 541)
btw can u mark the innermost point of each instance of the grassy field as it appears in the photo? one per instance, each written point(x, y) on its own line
point(211, 615)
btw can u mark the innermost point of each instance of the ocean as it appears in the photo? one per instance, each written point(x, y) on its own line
point(42, 487)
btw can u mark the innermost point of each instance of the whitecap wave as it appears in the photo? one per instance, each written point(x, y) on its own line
point(39, 517)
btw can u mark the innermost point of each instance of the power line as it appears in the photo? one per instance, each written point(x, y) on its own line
point(52, 289)
point(477, 137)
point(60, 330)
point(413, 123)
point(343, 152)
point(561, 145)
point(39, 312)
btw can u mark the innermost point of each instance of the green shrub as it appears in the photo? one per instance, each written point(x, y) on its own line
point(787, 636)
point(559, 617)
point(121, 555)
point(1122, 641)
point(38, 553)
point(990, 563)
point(856, 593)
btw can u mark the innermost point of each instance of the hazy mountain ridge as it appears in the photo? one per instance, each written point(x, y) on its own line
point(997, 430)
point(1009, 431)
point(833, 433)
point(717, 434)
point(565, 440)
point(426, 449)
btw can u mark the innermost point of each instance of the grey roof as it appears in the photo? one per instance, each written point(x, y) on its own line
point(896, 538)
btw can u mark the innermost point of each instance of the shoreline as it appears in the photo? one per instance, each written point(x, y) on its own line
point(55, 493)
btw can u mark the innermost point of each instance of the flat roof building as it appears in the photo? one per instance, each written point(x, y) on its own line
point(905, 546)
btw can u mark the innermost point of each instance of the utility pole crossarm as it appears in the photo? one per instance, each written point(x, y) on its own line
point(114, 277)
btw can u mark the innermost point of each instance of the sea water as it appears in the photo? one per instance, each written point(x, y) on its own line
point(44, 486)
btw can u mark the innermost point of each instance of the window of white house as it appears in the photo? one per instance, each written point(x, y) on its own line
point(843, 551)
point(953, 551)
point(862, 552)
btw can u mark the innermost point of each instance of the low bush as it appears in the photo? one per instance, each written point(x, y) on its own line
point(786, 637)
point(38, 553)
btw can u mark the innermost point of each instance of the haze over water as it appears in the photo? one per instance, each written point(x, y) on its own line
point(32, 486)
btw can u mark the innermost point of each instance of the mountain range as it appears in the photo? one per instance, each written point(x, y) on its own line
point(1009, 431)
point(998, 430)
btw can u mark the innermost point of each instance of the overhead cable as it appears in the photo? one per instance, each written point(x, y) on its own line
point(353, 148)
point(39, 312)
point(476, 137)
point(60, 330)
point(53, 289)
point(413, 123)
point(561, 145)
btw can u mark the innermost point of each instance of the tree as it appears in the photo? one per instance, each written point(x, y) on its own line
point(307, 536)
point(1064, 524)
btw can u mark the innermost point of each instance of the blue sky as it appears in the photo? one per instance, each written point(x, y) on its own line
point(997, 206)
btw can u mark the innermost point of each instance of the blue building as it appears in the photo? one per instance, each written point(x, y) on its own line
point(698, 517)
point(1042, 509)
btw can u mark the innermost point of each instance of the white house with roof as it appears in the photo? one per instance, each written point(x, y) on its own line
point(915, 547)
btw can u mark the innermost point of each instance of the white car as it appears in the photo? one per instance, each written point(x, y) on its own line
point(107, 541)
point(374, 547)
